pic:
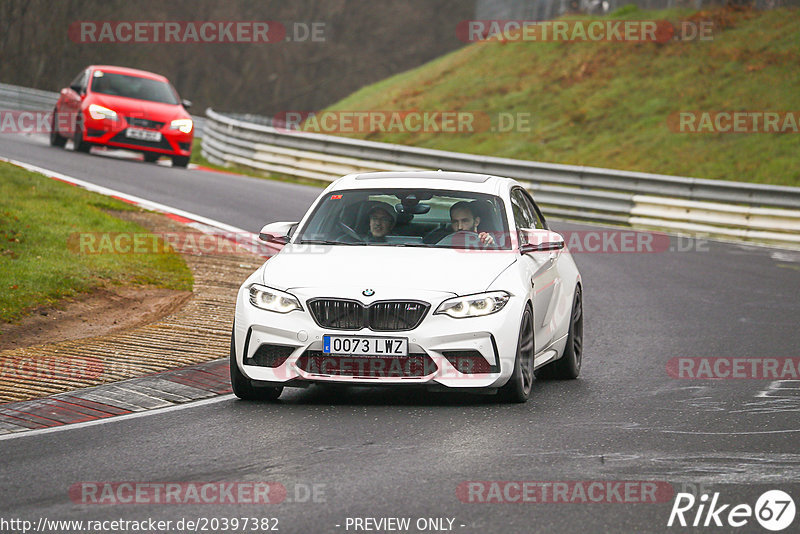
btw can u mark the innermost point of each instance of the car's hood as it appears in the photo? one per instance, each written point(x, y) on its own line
point(131, 107)
point(396, 269)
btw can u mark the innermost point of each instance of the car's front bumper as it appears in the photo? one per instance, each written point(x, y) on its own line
point(111, 133)
point(494, 337)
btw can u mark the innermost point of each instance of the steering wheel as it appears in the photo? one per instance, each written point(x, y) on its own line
point(349, 231)
point(466, 238)
point(462, 236)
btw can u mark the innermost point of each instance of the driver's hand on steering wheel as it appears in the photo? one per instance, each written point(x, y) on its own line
point(486, 239)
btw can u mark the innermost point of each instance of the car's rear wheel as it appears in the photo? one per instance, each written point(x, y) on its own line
point(180, 161)
point(151, 157)
point(77, 140)
point(569, 365)
point(55, 138)
point(519, 386)
point(243, 386)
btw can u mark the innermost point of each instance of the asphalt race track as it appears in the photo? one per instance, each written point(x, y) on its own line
point(386, 453)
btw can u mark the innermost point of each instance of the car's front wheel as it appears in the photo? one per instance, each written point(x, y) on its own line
point(151, 157)
point(243, 386)
point(518, 388)
point(55, 138)
point(569, 365)
point(180, 161)
point(77, 140)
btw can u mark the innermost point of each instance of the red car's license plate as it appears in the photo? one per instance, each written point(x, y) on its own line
point(144, 135)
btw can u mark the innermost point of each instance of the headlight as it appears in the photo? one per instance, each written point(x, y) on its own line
point(99, 112)
point(474, 305)
point(273, 300)
point(184, 125)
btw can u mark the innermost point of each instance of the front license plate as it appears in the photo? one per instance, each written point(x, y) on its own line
point(144, 135)
point(365, 346)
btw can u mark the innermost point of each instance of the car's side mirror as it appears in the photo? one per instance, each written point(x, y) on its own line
point(186, 103)
point(535, 240)
point(277, 232)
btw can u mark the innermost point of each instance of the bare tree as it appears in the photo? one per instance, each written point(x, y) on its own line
point(364, 41)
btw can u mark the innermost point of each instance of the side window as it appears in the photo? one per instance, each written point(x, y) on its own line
point(540, 217)
point(523, 217)
point(79, 83)
point(536, 215)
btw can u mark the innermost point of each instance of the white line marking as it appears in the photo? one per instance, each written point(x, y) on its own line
point(730, 433)
point(148, 204)
point(116, 418)
point(201, 223)
point(774, 388)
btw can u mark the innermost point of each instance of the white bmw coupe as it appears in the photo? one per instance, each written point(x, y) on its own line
point(437, 279)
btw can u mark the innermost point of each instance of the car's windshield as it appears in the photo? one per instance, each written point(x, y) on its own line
point(109, 83)
point(408, 218)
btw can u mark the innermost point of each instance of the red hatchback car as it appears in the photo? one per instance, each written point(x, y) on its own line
point(124, 108)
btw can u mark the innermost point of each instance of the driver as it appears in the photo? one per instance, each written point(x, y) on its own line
point(381, 221)
point(464, 219)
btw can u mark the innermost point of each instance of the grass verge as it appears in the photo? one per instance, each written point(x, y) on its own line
point(37, 267)
point(607, 104)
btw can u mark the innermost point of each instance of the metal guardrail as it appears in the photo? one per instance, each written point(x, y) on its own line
point(23, 98)
point(13, 97)
point(691, 205)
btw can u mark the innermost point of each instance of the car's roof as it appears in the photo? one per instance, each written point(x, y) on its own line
point(459, 181)
point(128, 72)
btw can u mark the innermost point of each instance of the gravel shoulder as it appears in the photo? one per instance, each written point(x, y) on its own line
point(119, 333)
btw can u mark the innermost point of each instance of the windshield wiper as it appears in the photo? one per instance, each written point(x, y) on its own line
point(362, 243)
point(421, 245)
point(327, 242)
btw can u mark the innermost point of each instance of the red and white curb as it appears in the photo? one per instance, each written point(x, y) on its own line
point(159, 391)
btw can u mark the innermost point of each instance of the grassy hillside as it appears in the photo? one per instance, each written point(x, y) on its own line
point(607, 104)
